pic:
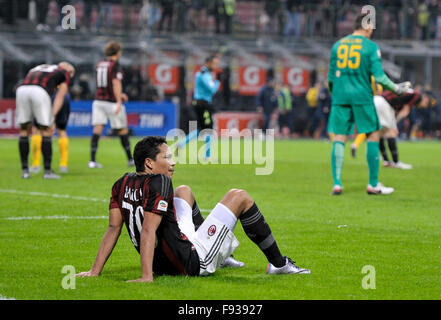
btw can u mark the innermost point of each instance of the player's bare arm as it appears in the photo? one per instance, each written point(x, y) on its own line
point(107, 244)
point(147, 245)
point(59, 98)
point(403, 113)
point(117, 89)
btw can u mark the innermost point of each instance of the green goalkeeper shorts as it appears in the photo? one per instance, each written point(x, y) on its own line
point(343, 118)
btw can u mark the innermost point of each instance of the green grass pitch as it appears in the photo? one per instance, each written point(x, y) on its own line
point(335, 237)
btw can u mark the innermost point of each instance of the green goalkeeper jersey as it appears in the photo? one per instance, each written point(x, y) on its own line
point(354, 59)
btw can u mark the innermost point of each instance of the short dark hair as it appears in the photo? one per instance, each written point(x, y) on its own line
point(359, 21)
point(112, 48)
point(147, 148)
point(211, 58)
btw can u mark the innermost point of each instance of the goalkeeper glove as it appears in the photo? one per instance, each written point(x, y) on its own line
point(404, 87)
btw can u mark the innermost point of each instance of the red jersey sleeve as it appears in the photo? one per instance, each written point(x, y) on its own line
point(67, 77)
point(160, 194)
point(116, 71)
point(115, 194)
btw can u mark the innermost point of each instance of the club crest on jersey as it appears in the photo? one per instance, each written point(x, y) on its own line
point(162, 205)
point(212, 230)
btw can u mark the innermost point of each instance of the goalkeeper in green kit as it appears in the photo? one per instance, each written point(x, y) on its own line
point(354, 59)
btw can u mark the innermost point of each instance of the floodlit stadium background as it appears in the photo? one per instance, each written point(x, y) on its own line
point(47, 225)
point(165, 43)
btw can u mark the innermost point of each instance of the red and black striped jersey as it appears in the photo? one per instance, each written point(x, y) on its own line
point(399, 101)
point(135, 194)
point(47, 76)
point(105, 71)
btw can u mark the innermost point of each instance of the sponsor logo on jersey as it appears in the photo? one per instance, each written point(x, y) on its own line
point(212, 230)
point(162, 205)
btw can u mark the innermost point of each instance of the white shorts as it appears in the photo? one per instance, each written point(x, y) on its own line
point(102, 111)
point(214, 240)
point(33, 102)
point(385, 112)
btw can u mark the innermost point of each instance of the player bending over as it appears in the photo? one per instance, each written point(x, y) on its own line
point(354, 59)
point(387, 104)
point(162, 228)
point(34, 103)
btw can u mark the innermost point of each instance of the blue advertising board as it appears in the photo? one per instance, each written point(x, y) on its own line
point(144, 118)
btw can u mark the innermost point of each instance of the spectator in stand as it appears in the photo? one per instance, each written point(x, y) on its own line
point(61, 4)
point(410, 18)
point(311, 17)
point(218, 11)
point(198, 14)
point(393, 8)
point(229, 12)
point(438, 23)
point(272, 9)
point(150, 15)
point(267, 102)
point(433, 8)
point(42, 11)
point(182, 9)
point(166, 14)
point(423, 20)
point(293, 18)
point(126, 5)
point(104, 14)
point(9, 12)
point(88, 6)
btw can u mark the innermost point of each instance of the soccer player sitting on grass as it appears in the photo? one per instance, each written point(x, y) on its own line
point(162, 227)
point(354, 59)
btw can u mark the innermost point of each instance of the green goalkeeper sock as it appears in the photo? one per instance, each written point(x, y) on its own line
point(373, 158)
point(337, 157)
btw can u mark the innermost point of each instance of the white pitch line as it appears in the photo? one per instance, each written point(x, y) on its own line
point(63, 196)
point(57, 218)
point(52, 195)
point(4, 298)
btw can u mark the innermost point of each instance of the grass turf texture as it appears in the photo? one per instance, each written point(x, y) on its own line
point(333, 236)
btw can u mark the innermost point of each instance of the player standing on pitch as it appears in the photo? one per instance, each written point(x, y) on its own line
point(34, 102)
point(108, 102)
point(205, 87)
point(354, 59)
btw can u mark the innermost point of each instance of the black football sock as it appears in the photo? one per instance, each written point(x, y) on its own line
point(46, 148)
point(383, 150)
point(259, 232)
point(198, 219)
point(126, 145)
point(392, 143)
point(23, 147)
point(94, 146)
